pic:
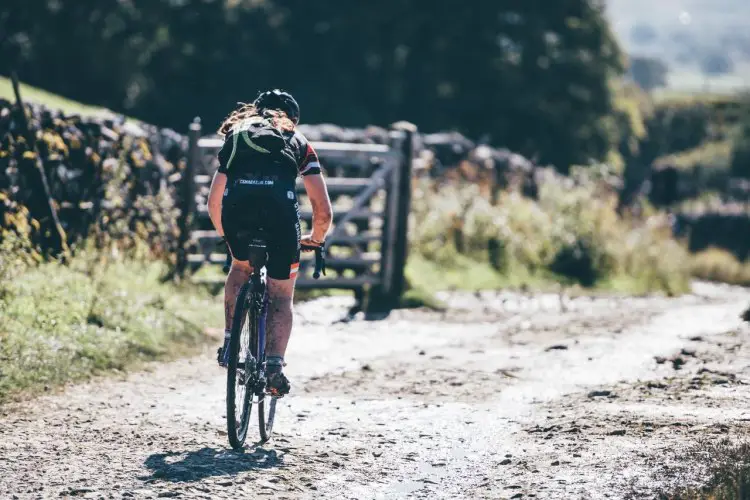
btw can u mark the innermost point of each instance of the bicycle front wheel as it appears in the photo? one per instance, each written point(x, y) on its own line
point(241, 370)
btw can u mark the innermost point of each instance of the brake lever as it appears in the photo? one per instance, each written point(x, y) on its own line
point(320, 259)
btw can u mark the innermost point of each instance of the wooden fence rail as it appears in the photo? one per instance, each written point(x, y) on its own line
point(369, 185)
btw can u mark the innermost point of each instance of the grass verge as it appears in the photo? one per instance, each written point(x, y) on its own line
point(62, 324)
point(467, 274)
point(52, 101)
point(48, 99)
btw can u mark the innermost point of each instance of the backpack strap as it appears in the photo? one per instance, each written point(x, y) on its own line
point(235, 139)
point(251, 144)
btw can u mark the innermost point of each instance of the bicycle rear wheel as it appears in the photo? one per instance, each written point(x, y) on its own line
point(266, 403)
point(241, 369)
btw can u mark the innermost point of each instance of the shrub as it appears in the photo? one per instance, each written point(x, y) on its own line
point(572, 234)
point(740, 162)
point(677, 126)
point(715, 264)
point(688, 174)
point(16, 251)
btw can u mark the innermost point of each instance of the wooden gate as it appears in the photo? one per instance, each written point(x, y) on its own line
point(369, 185)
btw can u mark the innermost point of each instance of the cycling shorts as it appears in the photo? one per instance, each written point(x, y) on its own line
point(263, 208)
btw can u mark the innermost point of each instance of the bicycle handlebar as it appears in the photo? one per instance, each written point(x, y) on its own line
point(320, 259)
point(228, 262)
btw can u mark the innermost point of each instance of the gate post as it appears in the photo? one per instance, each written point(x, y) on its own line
point(403, 199)
point(187, 196)
point(394, 247)
point(379, 298)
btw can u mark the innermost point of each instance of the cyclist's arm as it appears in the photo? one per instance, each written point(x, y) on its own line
point(218, 184)
point(315, 186)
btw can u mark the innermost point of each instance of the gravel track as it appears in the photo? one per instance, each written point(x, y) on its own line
point(504, 396)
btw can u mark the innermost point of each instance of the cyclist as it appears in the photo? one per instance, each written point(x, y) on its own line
point(262, 155)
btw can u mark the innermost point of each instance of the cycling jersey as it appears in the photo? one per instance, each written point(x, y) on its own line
point(245, 159)
point(261, 201)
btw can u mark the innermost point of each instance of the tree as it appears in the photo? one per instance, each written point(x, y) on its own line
point(649, 73)
point(716, 63)
point(534, 75)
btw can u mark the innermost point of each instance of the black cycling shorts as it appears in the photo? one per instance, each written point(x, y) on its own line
point(267, 209)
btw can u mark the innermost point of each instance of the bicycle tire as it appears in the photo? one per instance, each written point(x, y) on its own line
point(265, 425)
point(237, 431)
point(265, 402)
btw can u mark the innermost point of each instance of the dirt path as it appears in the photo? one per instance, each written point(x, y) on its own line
point(505, 396)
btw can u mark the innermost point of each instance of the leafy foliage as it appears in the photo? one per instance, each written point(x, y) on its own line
point(649, 72)
point(534, 78)
point(715, 264)
point(573, 232)
point(740, 162)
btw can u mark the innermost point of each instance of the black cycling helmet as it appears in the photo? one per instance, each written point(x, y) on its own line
point(278, 99)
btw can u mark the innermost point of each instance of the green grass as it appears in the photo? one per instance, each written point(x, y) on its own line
point(62, 324)
point(55, 102)
point(471, 275)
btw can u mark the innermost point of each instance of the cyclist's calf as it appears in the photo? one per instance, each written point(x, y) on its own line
point(238, 275)
point(280, 317)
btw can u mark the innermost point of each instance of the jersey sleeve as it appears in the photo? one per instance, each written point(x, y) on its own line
point(225, 155)
point(310, 163)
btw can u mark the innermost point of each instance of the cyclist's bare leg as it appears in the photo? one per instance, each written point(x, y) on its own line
point(280, 317)
point(238, 276)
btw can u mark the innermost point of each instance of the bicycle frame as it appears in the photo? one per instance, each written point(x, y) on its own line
point(252, 303)
point(259, 296)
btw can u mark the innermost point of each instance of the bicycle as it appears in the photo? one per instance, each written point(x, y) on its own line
point(246, 357)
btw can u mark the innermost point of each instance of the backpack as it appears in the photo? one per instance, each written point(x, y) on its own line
point(259, 143)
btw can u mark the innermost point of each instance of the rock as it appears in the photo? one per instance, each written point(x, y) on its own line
point(619, 432)
point(557, 347)
point(269, 486)
point(505, 462)
point(677, 362)
point(598, 394)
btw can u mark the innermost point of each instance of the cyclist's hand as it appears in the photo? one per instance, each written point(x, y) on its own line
point(309, 242)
